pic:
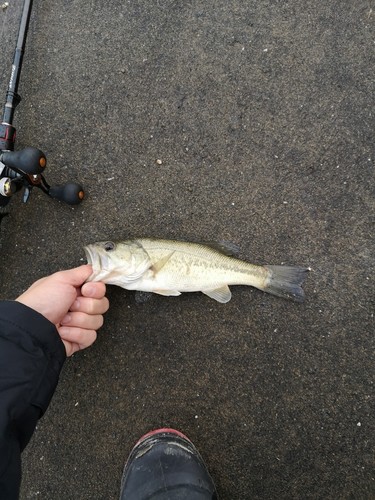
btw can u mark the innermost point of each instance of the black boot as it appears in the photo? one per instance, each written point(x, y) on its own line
point(164, 465)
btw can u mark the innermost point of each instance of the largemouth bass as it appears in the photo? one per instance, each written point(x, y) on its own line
point(172, 267)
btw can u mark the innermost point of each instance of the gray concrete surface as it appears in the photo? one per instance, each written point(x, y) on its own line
point(262, 113)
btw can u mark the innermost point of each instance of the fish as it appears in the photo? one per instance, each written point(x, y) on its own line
point(168, 267)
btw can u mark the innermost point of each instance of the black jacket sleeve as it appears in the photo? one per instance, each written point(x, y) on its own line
point(31, 357)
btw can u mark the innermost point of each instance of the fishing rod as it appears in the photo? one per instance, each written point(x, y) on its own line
point(24, 168)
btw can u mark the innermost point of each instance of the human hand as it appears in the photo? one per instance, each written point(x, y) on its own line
point(75, 307)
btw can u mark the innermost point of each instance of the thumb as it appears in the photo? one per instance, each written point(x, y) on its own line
point(76, 276)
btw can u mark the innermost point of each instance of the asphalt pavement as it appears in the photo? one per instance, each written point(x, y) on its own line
point(250, 122)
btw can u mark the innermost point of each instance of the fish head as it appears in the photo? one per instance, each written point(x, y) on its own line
point(117, 263)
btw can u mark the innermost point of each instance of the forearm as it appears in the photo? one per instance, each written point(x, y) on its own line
point(31, 357)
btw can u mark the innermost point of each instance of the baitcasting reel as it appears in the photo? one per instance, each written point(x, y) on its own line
point(24, 169)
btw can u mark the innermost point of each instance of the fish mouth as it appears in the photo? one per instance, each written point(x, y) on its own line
point(93, 259)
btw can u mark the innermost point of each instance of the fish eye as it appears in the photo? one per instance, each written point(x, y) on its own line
point(109, 246)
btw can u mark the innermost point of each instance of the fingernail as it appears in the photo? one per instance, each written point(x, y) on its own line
point(76, 304)
point(66, 319)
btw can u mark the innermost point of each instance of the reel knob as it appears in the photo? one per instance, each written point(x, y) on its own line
point(30, 161)
point(71, 193)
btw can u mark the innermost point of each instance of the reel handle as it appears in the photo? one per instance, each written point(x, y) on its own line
point(71, 193)
point(30, 161)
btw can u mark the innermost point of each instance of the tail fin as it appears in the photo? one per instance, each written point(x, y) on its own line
point(286, 281)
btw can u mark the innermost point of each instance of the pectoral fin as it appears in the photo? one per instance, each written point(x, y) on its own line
point(222, 294)
point(157, 266)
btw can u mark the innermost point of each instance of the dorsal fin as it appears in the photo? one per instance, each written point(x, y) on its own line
point(225, 247)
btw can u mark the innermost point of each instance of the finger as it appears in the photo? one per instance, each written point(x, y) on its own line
point(90, 306)
point(70, 348)
point(94, 290)
point(83, 320)
point(80, 336)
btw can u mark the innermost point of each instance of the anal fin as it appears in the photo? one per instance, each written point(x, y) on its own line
point(222, 294)
point(167, 293)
